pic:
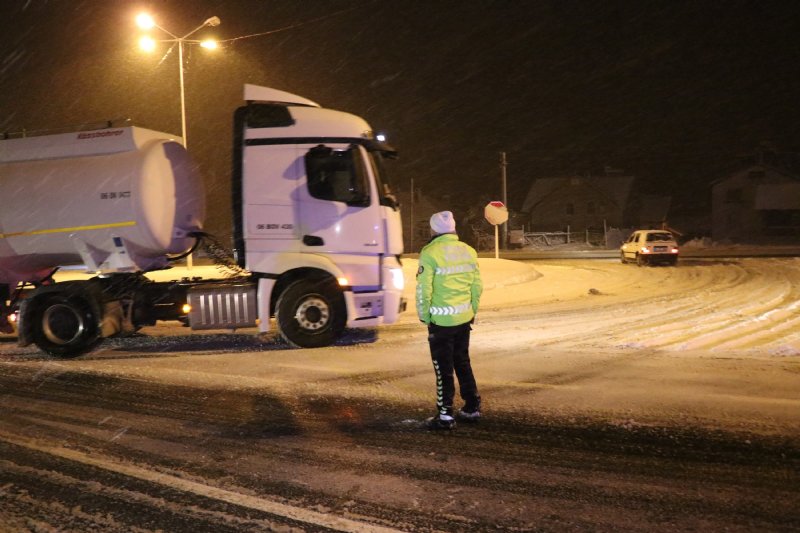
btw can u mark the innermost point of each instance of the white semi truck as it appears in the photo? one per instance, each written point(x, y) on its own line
point(316, 233)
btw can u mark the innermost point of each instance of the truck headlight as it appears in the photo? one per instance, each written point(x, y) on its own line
point(398, 281)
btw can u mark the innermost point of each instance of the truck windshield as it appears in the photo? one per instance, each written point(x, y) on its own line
point(337, 175)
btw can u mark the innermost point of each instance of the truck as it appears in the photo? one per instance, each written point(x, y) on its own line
point(316, 232)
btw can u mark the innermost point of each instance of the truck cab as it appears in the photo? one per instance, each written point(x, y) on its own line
point(314, 220)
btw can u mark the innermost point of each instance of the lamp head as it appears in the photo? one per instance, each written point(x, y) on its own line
point(212, 21)
point(147, 43)
point(145, 21)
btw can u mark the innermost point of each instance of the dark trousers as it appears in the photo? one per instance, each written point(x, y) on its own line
point(450, 352)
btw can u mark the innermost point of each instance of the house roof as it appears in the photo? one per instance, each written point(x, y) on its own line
point(613, 188)
point(770, 172)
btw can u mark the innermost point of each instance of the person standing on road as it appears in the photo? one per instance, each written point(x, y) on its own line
point(448, 292)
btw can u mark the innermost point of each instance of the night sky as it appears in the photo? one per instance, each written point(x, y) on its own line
point(675, 93)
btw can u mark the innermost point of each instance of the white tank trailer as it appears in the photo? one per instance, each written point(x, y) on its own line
point(316, 232)
point(116, 200)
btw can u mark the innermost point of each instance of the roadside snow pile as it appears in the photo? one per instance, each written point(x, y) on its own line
point(495, 273)
point(174, 273)
point(708, 245)
point(701, 242)
point(499, 273)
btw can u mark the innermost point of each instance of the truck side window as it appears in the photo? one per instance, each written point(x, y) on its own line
point(387, 198)
point(337, 175)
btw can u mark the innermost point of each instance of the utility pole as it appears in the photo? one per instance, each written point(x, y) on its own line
point(503, 165)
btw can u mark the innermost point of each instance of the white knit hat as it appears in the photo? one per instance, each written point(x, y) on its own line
point(443, 222)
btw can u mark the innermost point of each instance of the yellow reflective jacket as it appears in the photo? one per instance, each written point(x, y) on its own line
point(448, 282)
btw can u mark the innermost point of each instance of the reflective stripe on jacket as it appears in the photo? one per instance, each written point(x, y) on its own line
point(448, 282)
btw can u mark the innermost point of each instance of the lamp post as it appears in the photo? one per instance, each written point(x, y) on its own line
point(148, 44)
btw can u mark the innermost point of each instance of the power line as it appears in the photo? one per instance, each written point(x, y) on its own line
point(261, 34)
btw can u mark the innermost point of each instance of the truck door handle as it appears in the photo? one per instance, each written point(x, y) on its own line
point(313, 240)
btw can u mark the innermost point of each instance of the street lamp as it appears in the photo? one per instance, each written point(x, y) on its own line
point(148, 44)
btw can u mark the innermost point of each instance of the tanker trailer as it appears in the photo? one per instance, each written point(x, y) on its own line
point(116, 200)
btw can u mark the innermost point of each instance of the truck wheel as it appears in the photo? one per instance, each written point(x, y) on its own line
point(622, 258)
point(65, 326)
point(640, 260)
point(311, 314)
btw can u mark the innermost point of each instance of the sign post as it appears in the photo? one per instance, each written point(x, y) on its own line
point(496, 214)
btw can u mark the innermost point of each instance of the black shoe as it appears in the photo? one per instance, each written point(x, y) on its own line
point(440, 422)
point(468, 416)
point(471, 412)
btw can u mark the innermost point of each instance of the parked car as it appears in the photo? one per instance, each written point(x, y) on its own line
point(648, 247)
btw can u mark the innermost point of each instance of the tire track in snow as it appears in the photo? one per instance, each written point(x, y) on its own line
point(746, 304)
point(771, 325)
point(739, 317)
point(161, 478)
point(577, 320)
point(630, 315)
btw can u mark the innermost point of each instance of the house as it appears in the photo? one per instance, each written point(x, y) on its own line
point(757, 204)
point(578, 202)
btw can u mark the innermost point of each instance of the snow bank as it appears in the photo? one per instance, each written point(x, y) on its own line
point(495, 273)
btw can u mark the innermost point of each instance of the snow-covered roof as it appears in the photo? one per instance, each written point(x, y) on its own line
point(770, 174)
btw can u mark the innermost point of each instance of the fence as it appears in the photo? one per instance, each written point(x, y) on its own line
point(540, 239)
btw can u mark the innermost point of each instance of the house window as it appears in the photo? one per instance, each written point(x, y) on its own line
point(734, 196)
point(570, 210)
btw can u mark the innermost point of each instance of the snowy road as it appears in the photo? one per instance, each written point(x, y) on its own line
point(616, 397)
